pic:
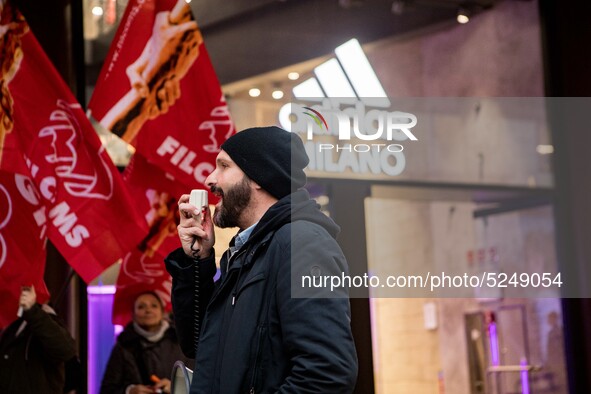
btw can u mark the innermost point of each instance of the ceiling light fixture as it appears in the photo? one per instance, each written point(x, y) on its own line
point(97, 11)
point(398, 7)
point(545, 149)
point(293, 75)
point(277, 94)
point(463, 16)
point(254, 92)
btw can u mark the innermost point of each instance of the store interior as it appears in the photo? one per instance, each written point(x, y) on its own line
point(474, 193)
point(474, 196)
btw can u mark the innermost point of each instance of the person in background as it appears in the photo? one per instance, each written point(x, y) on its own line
point(141, 361)
point(259, 329)
point(34, 348)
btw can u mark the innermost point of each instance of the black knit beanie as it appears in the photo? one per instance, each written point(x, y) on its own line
point(272, 157)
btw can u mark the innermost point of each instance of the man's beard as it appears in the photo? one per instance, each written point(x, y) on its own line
point(234, 200)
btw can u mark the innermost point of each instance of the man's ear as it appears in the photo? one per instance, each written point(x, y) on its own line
point(255, 185)
point(252, 184)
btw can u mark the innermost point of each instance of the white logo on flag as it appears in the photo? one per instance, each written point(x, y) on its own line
point(4, 221)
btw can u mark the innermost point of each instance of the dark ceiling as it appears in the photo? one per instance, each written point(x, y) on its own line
point(247, 38)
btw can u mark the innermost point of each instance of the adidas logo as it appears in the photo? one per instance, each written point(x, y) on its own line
point(348, 76)
point(357, 138)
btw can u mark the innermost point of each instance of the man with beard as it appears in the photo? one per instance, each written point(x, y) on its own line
point(257, 329)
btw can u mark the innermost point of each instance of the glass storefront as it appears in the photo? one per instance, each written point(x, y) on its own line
point(470, 196)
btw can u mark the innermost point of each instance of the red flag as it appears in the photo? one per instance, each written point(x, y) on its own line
point(158, 91)
point(140, 273)
point(143, 268)
point(48, 138)
point(22, 243)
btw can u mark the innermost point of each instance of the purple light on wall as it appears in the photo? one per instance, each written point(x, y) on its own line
point(101, 333)
point(494, 343)
point(524, 377)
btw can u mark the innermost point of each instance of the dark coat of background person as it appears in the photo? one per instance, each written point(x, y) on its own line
point(256, 337)
point(33, 361)
point(134, 359)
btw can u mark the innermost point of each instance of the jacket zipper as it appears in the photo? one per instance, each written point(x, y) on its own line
point(231, 259)
point(234, 257)
point(256, 360)
point(219, 289)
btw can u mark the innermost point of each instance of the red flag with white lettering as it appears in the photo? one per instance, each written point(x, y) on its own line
point(159, 92)
point(46, 136)
point(22, 258)
point(143, 268)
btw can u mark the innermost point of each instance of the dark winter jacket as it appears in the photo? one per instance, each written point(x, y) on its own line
point(134, 359)
point(255, 337)
point(33, 360)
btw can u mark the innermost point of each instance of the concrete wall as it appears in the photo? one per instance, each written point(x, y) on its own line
point(497, 54)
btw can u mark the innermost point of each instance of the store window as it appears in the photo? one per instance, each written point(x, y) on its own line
point(471, 196)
